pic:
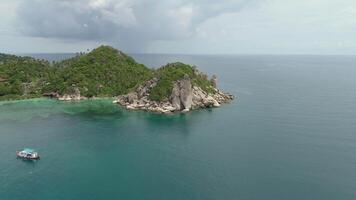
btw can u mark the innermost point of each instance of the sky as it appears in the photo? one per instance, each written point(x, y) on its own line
point(179, 26)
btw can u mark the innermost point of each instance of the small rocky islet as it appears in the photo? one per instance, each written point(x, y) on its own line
point(108, 72)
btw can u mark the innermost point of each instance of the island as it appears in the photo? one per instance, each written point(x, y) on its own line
point(108, 72)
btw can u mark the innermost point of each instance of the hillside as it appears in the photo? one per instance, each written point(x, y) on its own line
point(173, 72)
point(108, 72)
point(103, 72)
point(22, 77)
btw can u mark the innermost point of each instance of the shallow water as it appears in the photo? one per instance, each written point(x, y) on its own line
point(289, 135)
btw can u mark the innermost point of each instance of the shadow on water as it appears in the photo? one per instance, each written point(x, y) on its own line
point(28, 162)
point(95, 113)
point(43, 108)
point(92, 108)
point(176, 123)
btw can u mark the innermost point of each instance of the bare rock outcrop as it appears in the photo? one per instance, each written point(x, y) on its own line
point(175, 97)
point(74, 96)
point(214, 81)
point(185, 93)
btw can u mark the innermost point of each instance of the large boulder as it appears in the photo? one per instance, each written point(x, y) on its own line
point(186, 92)
point(131, 97)
point(175, 97)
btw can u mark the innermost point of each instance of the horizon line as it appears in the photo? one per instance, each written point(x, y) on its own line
point(199, 54)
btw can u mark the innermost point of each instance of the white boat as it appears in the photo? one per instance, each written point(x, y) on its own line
point(28, 154)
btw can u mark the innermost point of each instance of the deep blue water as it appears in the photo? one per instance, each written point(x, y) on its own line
point(291, 134)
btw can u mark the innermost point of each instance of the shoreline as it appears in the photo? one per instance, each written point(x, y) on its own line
point(54, 99)
point(111, 74)
point(112, 101)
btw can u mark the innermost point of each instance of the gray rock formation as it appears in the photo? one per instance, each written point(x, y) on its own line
point(132, 97)
point(214, 81)
point(185, 93)
point(74, 96)
point(175, 97)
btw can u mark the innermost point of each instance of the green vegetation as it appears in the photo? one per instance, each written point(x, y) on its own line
point(21, 77)
point(172, 72)
point(166, 76)
point(104, 72)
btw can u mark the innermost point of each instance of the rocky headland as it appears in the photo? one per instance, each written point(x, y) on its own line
point(184, 97)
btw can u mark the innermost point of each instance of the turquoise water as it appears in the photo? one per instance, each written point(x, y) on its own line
point(289, 135)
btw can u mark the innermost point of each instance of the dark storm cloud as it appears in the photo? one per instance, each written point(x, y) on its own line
point(129, 22)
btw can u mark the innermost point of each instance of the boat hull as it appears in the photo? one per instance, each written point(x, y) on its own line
point(26, 157)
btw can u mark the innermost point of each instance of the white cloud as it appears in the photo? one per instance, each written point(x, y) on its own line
point(199, 26)
point(277, 27)
point(7, 17)
point(134, 23)
point(183, 15)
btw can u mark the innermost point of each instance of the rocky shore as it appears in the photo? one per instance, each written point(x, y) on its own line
point(184, 97)
point(74, 96)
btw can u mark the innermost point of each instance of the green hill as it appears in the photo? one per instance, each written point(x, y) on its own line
point(172, 72)
point(22, 77)
point(104, 72)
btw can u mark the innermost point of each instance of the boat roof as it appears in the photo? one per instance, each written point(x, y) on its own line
point(28, 150)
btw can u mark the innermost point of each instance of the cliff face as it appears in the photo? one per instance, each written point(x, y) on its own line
point(184, 97)
point(175, 98)
point(184, 88)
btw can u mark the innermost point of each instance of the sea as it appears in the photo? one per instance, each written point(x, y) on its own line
point(290, 134)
